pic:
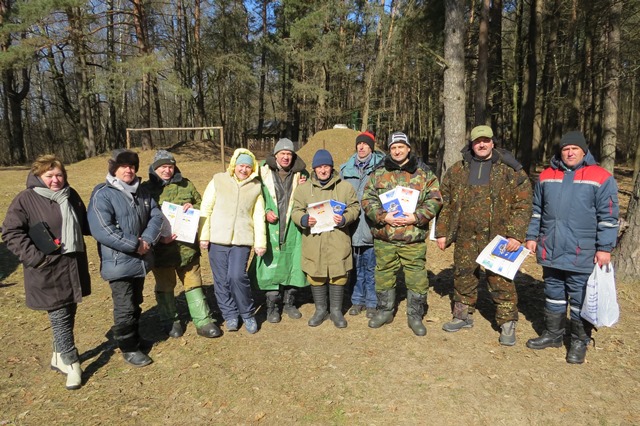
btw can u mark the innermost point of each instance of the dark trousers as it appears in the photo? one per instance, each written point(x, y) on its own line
point(560, 285)
point(231, 281)
point(126, 294)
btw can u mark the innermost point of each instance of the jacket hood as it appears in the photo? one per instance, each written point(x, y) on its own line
point(157, 180)
point(588, 160)
point(498, 155)
point(232, 163)
point(298, 164)
point(410, 166)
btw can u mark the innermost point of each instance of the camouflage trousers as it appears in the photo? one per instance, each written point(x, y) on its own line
point(466, 276)
point(411, 257)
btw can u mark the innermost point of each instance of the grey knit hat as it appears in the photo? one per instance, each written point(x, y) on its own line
point(574, 138)
point(161, 158)
point(120, 157)
point(283, 144)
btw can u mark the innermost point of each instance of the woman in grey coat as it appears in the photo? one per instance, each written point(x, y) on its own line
point(44, 227)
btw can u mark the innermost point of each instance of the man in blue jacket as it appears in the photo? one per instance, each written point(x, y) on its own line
point(356, 171)
point(126, 222)
point(574, 225)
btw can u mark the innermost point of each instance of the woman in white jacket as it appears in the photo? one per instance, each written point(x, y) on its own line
point(232, 221)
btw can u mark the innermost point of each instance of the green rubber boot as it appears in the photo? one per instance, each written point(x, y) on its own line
point(201, 314)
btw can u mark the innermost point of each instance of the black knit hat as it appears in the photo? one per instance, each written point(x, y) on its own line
point(398, 137)
point(121, 157)
point(367, 138)
point(576, 138)
point(161, 158)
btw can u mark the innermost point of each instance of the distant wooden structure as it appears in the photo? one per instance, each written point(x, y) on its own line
point(271, 132)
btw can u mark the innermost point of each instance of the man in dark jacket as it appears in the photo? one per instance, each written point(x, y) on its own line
point(485, 194)
point(574, 225)
point(356, 171)
point(173, 257)
point(126, 222)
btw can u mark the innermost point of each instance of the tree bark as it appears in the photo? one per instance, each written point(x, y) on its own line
point(529, 98)
point(454, 94)
point(627, 253)
point(483, 66)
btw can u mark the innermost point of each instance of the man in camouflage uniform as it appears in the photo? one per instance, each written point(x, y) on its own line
point(399, 241)
point(485, 194)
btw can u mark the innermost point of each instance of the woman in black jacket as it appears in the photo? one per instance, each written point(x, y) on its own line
point(44, 227)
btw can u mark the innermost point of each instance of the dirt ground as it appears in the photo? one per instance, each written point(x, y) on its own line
point(289, 373)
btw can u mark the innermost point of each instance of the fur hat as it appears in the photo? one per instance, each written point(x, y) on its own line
point(367, 138)
point(322, 157)
point(574, 138)
point(283, 144)
point(398, 137)
point(120, 157)
point(161, 158)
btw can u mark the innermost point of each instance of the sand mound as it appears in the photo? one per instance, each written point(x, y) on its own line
point(340, 143)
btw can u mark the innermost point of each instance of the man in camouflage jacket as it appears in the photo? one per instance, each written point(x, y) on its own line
point(399, 241)
point(485, 194)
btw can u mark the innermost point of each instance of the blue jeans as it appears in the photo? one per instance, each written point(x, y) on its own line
point(364, 287)
point(231, 282)
point(560, 285)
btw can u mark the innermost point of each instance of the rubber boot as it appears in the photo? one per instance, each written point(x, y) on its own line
point(128, 341)
point(71, 361)
point(552, 336)
point(319, 293)
point(201, 314)
point(272, 299)
point(415, 312)
point(580, 339)
point(384, 315)
point(462, 318)
point(508, 333)
point(289, 304)
point(336, 296)
point(169, 314)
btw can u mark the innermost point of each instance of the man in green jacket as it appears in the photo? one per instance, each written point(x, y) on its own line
point(172, 257)
point(326, 255)
point(399, 237)
point(279, 271)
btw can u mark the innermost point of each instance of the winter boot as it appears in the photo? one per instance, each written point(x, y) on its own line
point(508, 333)
point(272, 299)
point(71, 362)
point(169, 314)
point(289, 304)
point(384, 315)
point(462, 318)
point(336, 296)
point(580, 339)
point(554, 333)
point(201, 314)
point(56, 361)
point(128, 341)
point(415, 312)
point(319, 293)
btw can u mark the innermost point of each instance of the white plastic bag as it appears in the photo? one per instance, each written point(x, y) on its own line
point(600, 306)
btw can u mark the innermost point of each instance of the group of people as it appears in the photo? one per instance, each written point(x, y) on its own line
point(569, 220)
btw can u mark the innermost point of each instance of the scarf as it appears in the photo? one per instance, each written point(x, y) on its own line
point(71, 238)
point(127, 189)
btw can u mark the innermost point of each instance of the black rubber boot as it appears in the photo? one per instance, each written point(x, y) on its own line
point(169, 314)
point(384, 315)
point(336, 296)
point(289, 304)
point(319, 293)
point(554, 333)
point(415, 312)
point(273, 313)
point(580, 339)
point(128, 341)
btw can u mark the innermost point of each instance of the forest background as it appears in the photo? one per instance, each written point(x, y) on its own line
point(75, 75)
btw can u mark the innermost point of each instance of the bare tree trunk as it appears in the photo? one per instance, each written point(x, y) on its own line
point(140, 23)
point(496, 76)
point(454, 95)
point(628, 251)
point(483, 66)
point(611, 91)
point(263, 64)
point(529, 99)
